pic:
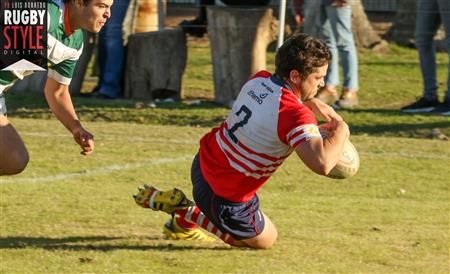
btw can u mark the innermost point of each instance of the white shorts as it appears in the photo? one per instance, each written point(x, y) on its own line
point(2, 104)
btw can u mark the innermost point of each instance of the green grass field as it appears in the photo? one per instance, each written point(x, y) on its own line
point(72, 214)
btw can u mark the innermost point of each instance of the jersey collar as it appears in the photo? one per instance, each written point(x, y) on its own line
point(277, 80)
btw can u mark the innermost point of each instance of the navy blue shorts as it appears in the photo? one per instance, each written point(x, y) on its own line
point(241, 220)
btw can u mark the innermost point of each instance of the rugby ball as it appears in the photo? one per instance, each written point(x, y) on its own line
point(348, 164)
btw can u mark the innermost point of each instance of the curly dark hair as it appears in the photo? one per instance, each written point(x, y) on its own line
point(303, 53)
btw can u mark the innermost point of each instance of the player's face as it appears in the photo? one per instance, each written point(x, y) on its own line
point(95, 14)
point(311, 84)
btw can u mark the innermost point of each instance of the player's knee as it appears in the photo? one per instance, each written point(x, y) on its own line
point(271, 241)
point(264, 244)
point(17, 162)
point(267, 244)
point(264, 241)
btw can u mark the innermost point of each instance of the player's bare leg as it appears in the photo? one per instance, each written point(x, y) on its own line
point(189, 218)
point(13, 154)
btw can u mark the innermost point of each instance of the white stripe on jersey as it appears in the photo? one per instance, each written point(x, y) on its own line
point(249, 154)
point(305, 133)
point(241, 154)
point(242, 161)
point(58, 52)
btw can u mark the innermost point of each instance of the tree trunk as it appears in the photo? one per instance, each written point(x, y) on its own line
point(363, 33)
point(142, 16)
point(239, 39)
point(147, 16)
point(155, 64)
point(402, 31)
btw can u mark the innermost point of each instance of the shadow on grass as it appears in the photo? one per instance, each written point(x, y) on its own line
point(395, 126)
point(94, 243)
point(372, 121)
point(37, 102)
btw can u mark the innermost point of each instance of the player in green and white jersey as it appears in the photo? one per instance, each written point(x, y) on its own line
point(65, 42)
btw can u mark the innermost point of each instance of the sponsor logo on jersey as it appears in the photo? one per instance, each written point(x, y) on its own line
point(267, 87)
point(259, 99)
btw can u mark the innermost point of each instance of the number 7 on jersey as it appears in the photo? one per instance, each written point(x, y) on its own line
point(246, 116)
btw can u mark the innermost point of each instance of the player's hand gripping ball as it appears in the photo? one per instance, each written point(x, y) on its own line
point(348, 164)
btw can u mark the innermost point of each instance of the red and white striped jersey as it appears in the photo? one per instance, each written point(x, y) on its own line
point(267, 122)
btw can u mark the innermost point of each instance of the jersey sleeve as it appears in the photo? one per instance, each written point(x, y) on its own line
point(62, 72)
point(297, 123)
point(63, 53)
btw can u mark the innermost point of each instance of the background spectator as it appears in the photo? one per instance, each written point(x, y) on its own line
point(111, 54)
point(336, 30)
point(430, 14)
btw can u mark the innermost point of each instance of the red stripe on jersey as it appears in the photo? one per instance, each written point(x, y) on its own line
point(250, 151)
point(302, 134)
point(292, 114)
point(246, 167)
point(293, 136)
point(224, 180)
point(299, 142)
point(231, 146)
point(259, 165)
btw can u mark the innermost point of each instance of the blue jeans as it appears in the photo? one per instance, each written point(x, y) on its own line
point(430, 14)
point(336, 31)
point(111, 52)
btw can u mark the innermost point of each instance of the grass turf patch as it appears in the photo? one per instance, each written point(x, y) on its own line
point(72, 214)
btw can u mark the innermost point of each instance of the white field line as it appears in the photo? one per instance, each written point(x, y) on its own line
point(113, 168)
point(96, 171)
point(148, 139)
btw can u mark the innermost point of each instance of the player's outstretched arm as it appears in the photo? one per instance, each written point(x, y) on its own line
point(321, 155)
point(58, 98)
point(322, 110)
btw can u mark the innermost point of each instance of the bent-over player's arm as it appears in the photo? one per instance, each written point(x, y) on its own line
point(58, 98)
point(322, 110)
point(321, 155)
